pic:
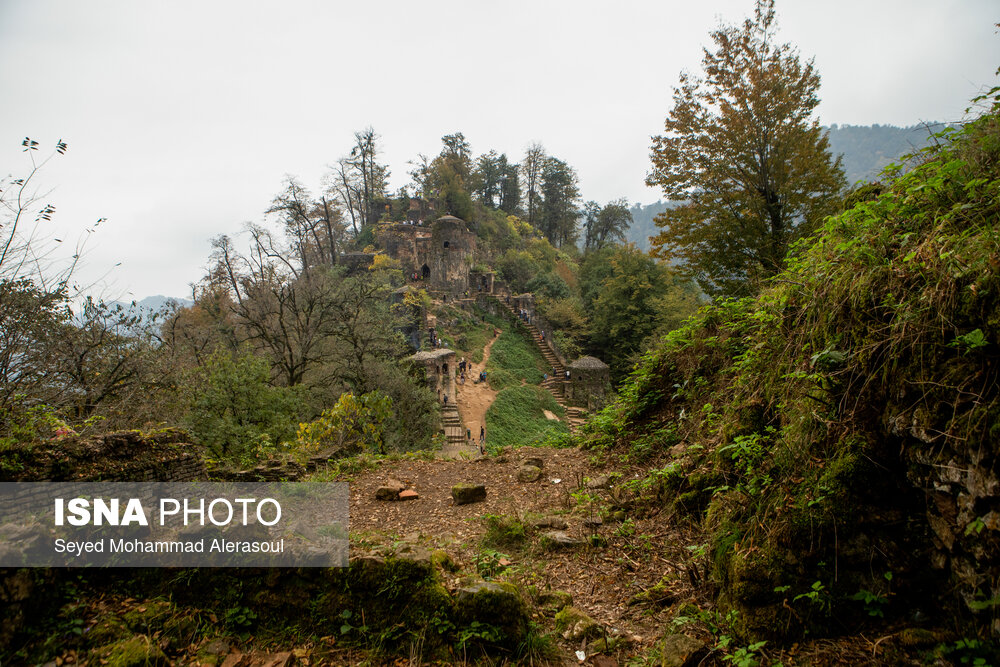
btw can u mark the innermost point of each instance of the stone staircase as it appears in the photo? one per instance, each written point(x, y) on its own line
point(454, 433)
point(556, 381)
point(575, 417)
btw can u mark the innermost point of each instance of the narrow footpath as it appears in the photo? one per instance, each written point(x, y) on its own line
point(472, 400)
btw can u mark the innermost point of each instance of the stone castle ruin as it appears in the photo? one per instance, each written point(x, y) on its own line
point(439, 371)
point(440, 255)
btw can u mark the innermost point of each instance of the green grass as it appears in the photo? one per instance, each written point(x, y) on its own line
point(513, 359)
point(516, 417)
point(470, 332)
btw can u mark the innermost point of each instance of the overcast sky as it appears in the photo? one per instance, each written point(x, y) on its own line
point(182, 118)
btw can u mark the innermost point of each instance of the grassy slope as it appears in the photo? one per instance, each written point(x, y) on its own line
point(513, 360)
point(816, 419)
point(516, 417)
point(467, 334)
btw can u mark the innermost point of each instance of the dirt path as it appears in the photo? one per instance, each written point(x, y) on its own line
point(475, 399)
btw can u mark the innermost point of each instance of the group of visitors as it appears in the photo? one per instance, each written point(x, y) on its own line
point(524, 316)
point(482, 438)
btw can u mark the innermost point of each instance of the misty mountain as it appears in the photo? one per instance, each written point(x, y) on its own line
point(867, 149)
point(155, 303)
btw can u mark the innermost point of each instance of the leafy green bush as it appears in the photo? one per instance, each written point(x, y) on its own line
point(354, 423)
point(235, 411)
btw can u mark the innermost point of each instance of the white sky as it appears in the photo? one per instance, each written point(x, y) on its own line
point(182, 118)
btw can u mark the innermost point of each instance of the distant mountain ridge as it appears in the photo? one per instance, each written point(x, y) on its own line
point(155, 303)
point(866, 150)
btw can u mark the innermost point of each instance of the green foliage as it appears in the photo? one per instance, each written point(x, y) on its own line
point(488, 563)
point(516, 268)
point(239, 619)
point(606, 225)
point(548, 286)
point(516, 417)
point(513, 360)
point(969, 651)
point(23, 424)
point(560, 202)
point(235, 411)
point(354, 423)
point(634, 299)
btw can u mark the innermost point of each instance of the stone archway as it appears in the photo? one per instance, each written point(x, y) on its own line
point(425, 271)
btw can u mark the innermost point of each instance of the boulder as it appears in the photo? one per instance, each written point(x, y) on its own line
point(464, 494)
point(528, 473)
point(553, 522)
point(560, 540)
point(679, 650)
point(533, 461)
point(552, 602)
point(390, 490)
point(574, 625)
point(496, 603)
point(137, 651)
point(599, 482)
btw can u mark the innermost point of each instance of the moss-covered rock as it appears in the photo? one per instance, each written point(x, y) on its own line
point(136, 651)
point(677, 650)
point(497, 604)
point(552, 602)
point(465, 494)
point(574, 624)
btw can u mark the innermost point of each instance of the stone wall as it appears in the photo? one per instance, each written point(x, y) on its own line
point(962, 488)
point(123, 456)
point(452, 248)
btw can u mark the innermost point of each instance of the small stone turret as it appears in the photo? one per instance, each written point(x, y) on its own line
point(589, 381)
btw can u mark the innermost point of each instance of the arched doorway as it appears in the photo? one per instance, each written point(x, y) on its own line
point(425, 271)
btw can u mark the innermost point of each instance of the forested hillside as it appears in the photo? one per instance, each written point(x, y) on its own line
point(867, 149)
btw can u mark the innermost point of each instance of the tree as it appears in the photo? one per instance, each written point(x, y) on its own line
point(744, 154)
point(449, 176)
point(315, 228)
point(560, 197)
point(606, 225)
point(531, 167)
point(315, 325)
point(510, 186)
point(360, 181)
point(488, 178)
point(636, 297)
